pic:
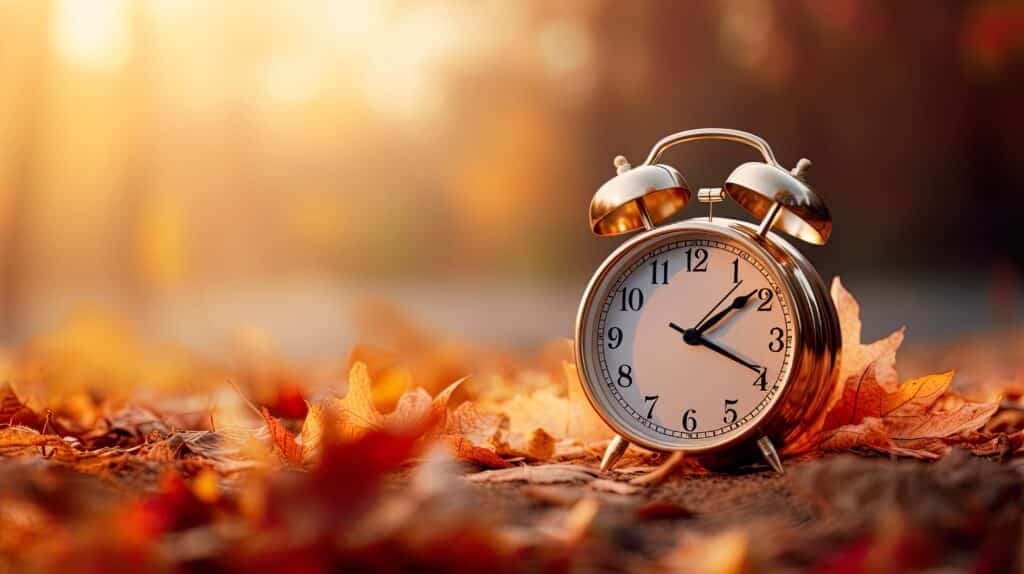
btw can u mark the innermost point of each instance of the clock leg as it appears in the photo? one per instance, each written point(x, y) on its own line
point(616, 448)
point(771, 456)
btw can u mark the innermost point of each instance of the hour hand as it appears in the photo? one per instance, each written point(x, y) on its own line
point(737, 303)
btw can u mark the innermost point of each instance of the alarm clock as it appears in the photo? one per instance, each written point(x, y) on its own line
point(710, 336)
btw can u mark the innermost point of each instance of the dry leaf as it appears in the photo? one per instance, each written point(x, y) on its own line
point(543, 474)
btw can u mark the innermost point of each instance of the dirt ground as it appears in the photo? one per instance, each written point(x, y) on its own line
point(839, 514)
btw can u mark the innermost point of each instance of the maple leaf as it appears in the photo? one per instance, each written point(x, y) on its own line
point(283, 439)
point(870, 409)
point(352, 416)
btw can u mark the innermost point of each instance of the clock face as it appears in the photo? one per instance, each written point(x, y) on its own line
point(690, 340)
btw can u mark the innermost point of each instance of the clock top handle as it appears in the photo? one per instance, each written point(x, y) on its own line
point(644, 196)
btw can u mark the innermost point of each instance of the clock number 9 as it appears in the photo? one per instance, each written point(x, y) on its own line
point(625, 375)
point(776, 344)
point(689, 423)
point(614, 338)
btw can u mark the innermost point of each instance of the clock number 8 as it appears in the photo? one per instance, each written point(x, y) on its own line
point(625, 375)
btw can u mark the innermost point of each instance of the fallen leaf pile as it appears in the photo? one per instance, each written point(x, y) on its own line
point(417, 452)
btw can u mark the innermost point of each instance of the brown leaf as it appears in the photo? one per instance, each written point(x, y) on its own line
point(544, 474)
point(464, 450)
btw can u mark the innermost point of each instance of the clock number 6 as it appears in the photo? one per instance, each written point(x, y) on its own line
point(689, 423)
point(776, 344)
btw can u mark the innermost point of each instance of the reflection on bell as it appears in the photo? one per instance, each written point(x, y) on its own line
point(654, 192)
point(783, 197)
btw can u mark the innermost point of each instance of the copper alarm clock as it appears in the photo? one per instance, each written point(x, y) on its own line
point(710, 336)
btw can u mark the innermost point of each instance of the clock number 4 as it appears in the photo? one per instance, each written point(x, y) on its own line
point(696, 259)
point(761, 380)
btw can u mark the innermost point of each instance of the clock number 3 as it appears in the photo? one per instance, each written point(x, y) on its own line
point(776, 344)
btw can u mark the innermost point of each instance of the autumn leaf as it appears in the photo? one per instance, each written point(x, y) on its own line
point(283, 439)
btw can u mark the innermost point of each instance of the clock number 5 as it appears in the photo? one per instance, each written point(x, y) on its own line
point(776, 344)
point(730, 413)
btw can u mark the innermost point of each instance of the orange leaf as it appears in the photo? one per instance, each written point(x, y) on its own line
point(283, 439)
point(465, 450)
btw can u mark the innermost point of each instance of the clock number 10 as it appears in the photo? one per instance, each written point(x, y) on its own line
point(632, 299)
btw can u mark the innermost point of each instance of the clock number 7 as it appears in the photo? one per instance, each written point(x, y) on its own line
point(653, 399)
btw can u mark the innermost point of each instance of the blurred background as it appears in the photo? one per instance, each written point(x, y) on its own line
point(205, 166)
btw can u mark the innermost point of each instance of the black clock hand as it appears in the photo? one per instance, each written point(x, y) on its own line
point(726, 353)
point(737, 303)
point(724, 297)
point(693, 337)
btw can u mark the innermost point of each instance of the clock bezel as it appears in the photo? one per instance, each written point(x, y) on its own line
point(815, 335)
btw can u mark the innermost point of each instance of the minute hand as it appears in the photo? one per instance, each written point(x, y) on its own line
point(737, 303)
point(728, 354)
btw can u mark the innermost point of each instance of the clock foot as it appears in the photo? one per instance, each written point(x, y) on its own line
point(771, 456)
point(616, 448)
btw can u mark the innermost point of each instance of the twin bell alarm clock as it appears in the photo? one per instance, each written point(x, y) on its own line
point(712, 337)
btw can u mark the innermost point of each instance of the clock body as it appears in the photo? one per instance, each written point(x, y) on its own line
point(703, 337)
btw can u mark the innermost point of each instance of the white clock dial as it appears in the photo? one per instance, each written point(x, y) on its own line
point(692, 341)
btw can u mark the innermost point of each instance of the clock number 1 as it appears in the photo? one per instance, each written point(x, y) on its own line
point(736, 270)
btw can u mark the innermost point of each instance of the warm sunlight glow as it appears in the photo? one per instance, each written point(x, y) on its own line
point(92, 34)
